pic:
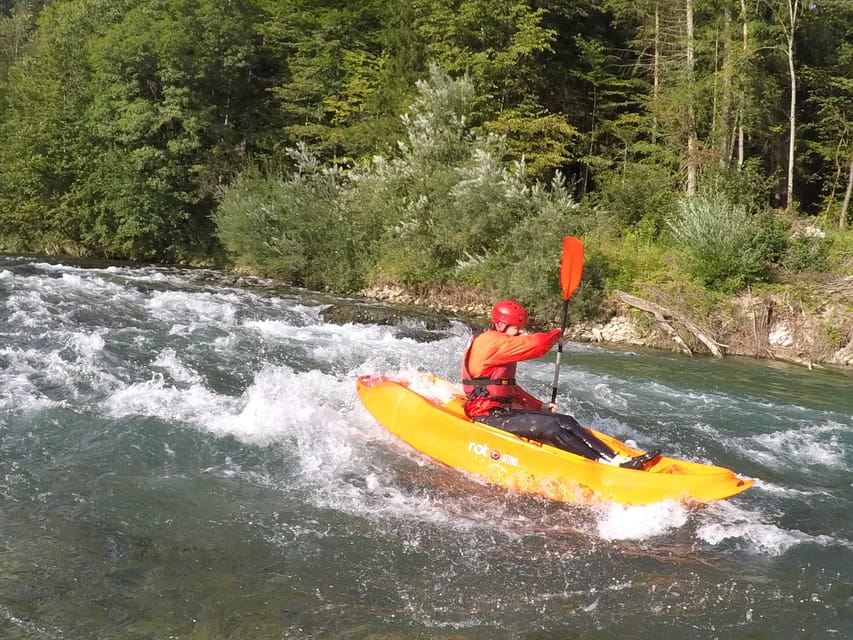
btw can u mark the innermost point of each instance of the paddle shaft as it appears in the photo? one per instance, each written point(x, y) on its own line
point(559, 351)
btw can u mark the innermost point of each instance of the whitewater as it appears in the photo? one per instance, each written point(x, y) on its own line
point(185, 458)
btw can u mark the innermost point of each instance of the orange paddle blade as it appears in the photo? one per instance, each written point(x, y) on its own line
point(571, 265)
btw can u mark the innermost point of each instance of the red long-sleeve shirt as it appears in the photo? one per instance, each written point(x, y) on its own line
point(492, 349)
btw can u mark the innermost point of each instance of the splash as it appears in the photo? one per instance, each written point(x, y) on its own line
point(639, 522)
point(752, 531)
point(811, 445)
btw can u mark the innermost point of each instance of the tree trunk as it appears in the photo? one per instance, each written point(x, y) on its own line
point(657, 68)
point(793, 13)
point(741, 98)
point(845, 206)
point(664, 317)
point(789, 195)
point(726, 134)
point(692, 155)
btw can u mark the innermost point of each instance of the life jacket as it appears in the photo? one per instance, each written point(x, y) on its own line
point(498, 385)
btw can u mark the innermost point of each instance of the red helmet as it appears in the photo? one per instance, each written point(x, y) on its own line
point(509, 312)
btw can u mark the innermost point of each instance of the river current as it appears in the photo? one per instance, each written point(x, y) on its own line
point(183, 459)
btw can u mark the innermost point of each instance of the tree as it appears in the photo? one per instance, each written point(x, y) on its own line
point(173, 98)
point(501, 46)
point(45, 99)
point(612, 102)
point(17, 21)
point(341, 71)
point(123, 118)
point(827, 120)
point(785, 15)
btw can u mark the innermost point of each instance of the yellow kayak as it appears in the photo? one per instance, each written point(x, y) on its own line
point(433, 423)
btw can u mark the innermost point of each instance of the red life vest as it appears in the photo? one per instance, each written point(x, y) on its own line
point(497, 384)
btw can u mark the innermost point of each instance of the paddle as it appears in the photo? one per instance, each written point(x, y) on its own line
point(571, 267)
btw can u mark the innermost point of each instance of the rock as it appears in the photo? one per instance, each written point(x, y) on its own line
point(387, 315)
point(780, 337)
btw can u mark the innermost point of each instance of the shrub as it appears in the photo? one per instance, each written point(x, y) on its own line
point(525, 263)
point(633, 258)
point(808, 253)
point(292, 227)
point(746, 186)
point(721, 240)
point(641, 195)
point(840, 256)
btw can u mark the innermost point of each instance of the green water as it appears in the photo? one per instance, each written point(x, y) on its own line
point(185, 460)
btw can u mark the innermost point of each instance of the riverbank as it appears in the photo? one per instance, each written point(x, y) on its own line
point(808, 324)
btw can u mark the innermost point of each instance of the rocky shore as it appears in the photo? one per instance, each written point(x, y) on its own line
point(811, 325)
point(786, 324)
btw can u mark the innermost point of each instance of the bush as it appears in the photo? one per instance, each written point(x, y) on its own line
point(774, 235)
point(808, 253)
point(252, 225)
point(525, 263)
point(840, 256)
point(745, 186)
point(721, 240)
point(642, 195)
point(293, 228)
point(634, 258)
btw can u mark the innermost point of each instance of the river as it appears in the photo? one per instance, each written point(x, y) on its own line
point(183, 459)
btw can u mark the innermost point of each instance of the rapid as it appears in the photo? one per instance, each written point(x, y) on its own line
point(182, 458)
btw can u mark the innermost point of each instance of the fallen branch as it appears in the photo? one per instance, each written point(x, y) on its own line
point(664, 317)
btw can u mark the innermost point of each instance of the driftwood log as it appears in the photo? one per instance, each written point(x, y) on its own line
point(665, 317)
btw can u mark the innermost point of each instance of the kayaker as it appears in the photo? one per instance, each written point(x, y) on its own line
point(495, 399)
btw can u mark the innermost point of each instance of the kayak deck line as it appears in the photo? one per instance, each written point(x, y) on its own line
point(438, 427)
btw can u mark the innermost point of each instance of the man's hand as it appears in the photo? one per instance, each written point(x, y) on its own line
point(549, 406)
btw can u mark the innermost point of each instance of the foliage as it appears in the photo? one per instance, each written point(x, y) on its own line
point(155, 112)
point(523, 265)
point(337, 75)
point(44, 102)
point(808, 253)
point(636, 258)
point(125, 125)
point(720, 238)
point(840, 256)
point(642, 194)
point(292, 227)
point(121, 120)
point(433, 212)
point(827, 71)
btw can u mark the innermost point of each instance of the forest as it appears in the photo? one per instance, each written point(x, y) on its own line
point(698, 147)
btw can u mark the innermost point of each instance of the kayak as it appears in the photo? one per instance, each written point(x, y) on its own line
point(426, 413)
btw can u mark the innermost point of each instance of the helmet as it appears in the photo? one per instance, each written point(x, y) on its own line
point(509, 312)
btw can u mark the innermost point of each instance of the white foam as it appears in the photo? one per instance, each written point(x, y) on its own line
point(87, 345)
point(811, 445)
point(782, 490)
point(763, 538)
point(19, 395)
point(169, 361)
point(155, 398)
point(279, 405)
point(181, 307)
point(639, 522)
point(28, 310)
point(431, 387)
point(726, 522)
point(283, 405)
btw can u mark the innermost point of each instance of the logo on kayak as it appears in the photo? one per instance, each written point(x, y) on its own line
point(494, 454)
